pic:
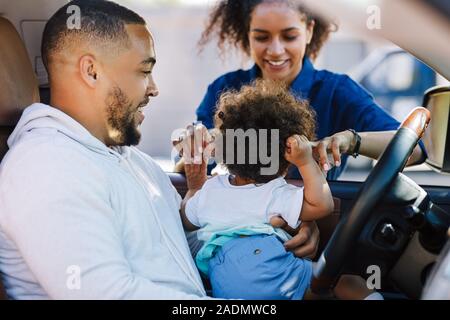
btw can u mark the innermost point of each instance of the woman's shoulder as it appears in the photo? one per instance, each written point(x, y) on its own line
point(331, 76)
point(339, 79)
point(340, 84)
point(234, 79)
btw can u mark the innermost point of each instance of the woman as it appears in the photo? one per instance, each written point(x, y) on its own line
point(283, 39)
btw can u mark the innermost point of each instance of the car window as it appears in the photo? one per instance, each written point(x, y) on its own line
point(398, 81)
point(394, 74)
point(395, 78)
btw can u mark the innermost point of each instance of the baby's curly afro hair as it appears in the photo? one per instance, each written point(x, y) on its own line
point(263, 105)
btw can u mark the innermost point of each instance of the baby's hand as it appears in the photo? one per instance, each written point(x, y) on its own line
point(298, 150)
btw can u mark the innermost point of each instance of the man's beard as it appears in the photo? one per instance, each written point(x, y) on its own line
point(122, 118)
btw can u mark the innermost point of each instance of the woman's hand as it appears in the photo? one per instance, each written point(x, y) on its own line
point(305, 239)
point(372, 145)
point(338, 143)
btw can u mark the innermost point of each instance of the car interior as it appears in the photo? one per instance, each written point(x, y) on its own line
point(18, 84)
point(388, 221)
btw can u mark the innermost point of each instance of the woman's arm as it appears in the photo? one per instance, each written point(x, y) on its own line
point(372, 145)
point(317, 198)
point(357, 110)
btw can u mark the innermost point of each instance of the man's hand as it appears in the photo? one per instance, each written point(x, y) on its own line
point(196, 175)
point(194, 144)
point(305, 239)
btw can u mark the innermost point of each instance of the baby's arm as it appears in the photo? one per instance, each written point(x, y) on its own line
point(196, 178)
point(187, 225)
point(317, 199)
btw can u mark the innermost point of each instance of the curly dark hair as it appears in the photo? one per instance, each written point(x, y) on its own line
point(230, 21)
point(266, 105)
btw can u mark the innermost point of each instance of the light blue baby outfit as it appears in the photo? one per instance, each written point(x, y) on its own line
point(243, 255)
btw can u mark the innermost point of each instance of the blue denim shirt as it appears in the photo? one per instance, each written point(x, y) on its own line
point(339, 102)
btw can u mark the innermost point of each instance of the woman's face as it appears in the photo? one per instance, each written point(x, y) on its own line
point(278, 38)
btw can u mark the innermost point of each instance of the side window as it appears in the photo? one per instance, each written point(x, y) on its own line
point(395, 74)
point(397, 81)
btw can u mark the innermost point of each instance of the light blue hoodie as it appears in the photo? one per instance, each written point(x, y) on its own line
point(79, 220)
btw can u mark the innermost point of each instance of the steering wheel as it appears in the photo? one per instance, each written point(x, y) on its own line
point(391, 163)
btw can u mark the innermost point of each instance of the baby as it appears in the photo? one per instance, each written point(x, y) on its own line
point(243, 255)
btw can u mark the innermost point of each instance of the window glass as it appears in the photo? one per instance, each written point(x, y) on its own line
point(395, 78)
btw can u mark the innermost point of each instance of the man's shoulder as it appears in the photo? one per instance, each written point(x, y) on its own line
point(149, 164)
point(44, 154)
point(144, 158)
point(42, 146)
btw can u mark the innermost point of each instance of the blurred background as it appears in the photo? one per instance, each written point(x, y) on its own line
point(395, 78)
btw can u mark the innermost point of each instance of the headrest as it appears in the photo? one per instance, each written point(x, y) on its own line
point(18, 84)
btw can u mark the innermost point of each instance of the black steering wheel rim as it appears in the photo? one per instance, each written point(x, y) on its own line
point(390, 164)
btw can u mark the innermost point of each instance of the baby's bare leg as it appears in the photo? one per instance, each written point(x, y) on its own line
point(349, 287)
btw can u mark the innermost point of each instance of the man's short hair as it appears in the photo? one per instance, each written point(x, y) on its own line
point(101, 22)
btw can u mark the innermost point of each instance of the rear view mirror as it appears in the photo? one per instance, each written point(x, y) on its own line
point(437, 136)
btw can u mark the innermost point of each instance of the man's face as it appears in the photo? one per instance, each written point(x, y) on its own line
point(129, 87)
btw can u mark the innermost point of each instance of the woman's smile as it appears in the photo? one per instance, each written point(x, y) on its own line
point(278, 38)
point(276, 65)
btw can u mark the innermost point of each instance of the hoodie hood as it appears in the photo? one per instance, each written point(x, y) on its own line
point(42, 116)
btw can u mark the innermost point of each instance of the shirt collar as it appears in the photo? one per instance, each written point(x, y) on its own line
point(302, 83)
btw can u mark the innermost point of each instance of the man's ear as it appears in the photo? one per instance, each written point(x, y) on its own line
point(88, 68)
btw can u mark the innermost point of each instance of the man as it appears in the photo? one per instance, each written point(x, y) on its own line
point(82, 214)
